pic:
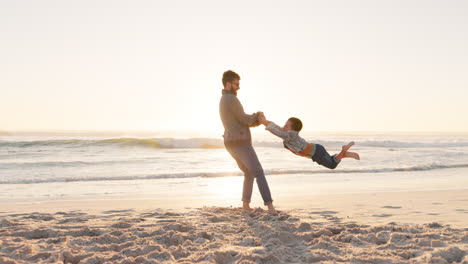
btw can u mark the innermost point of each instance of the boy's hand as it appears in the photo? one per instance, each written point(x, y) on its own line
point(261, 118)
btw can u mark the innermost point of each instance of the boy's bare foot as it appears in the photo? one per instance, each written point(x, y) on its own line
point(345, 148)
point(272, 210)
point(353, 155)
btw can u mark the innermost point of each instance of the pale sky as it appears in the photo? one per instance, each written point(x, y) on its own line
point(157, 65)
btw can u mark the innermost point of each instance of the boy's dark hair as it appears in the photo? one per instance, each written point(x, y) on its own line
point(296, 123)
point(229, 76)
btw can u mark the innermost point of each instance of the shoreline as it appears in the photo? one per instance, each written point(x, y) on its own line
point(416, 207)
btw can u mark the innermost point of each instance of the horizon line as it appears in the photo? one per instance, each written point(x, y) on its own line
point(211, 132)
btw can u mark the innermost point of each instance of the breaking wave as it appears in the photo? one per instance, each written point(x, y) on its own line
point(209, 143)
point(230, 174)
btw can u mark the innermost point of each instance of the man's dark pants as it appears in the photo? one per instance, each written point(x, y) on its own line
point(248, 162)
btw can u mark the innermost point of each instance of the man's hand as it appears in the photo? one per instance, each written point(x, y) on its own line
point(261, 118)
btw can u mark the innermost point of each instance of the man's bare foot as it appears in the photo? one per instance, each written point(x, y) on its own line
point(353, 155)
point(271, 209)
point(246, 207)
point(347, 147)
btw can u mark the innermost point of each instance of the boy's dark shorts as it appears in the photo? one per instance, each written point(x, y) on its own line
point(322, 157)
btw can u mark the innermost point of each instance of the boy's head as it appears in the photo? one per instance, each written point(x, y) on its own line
point(293, 123)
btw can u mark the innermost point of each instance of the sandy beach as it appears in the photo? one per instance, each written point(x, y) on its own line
point(125, 135)
point(391, 227)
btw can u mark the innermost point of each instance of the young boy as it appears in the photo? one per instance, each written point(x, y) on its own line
point(296, 144)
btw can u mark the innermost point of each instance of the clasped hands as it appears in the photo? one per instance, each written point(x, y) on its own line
point(262, 119)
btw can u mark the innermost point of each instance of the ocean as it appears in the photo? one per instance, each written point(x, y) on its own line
point(33, 168)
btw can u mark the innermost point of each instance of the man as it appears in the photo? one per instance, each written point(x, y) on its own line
point(238, 141)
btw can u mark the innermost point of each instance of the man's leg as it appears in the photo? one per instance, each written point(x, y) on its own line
point(248, 178)
point(254, 167)
point(248, 158)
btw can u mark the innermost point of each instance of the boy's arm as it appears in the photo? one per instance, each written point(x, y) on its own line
point(275, 129)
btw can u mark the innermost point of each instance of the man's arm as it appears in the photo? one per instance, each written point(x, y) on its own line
point(243, 118)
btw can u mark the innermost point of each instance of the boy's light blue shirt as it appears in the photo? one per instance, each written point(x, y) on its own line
point(291, 139)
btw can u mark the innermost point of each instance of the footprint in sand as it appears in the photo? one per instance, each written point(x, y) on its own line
point(71, 213)
point(121, 225)
point(6, 223)
point(16, 215)
point(37, 216)
point(382, 215)
point(391, 207)
point(167, 221)
point(115, 213)
point(153, 213)
point(333, 219)
point(324, 212)
point(118, 211)
point(72, 220)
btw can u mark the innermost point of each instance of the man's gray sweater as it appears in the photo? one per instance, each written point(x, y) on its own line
point(236, 123)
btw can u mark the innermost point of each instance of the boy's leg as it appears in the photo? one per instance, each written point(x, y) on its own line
point(352, 155)
point(322, 157)
point(344, 149)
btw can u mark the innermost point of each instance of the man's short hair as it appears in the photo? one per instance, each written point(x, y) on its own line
point(296, 123)
point(230, 76)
